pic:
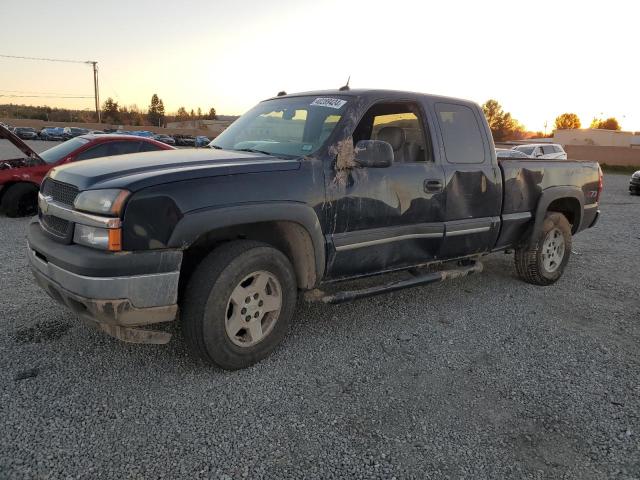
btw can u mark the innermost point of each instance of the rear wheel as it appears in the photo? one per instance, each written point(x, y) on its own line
point(544, 261)
point(238, 304)
point(20, 200)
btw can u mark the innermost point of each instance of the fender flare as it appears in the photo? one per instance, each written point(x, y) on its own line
point(550, 195)
point(199, 222)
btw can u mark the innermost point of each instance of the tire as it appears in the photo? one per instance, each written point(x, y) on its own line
point(544, 262)
point(209, 312)
point(20, 200)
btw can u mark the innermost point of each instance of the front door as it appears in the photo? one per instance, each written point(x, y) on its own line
point(385, 218)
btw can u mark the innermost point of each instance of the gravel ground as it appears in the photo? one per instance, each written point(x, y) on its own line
point(482, 377)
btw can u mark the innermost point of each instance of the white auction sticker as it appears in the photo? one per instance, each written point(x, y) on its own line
point(328, 102)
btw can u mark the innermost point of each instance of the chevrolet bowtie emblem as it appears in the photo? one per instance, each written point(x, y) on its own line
point(44, 203)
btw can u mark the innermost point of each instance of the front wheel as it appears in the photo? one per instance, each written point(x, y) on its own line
point(544, 261)
point(238, 304)
point(20, 200)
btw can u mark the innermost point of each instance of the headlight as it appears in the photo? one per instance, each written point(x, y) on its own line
point(108, 201)
point(102, 238)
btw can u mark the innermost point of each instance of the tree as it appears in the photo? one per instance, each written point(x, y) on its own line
point(110, 113)
point(182, 114)
point(502, 125)
point(567, 121)
point(212, 114)
point(132, 115)
point(155, 114)
point(192, 113)
point(199, 113)
point(610, 123)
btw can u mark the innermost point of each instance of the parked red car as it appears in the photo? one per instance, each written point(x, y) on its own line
point(20, 178)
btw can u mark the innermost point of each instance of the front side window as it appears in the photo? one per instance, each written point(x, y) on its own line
point(293, 126)
point(109, 149)
point(101, 150)
point(527, 150)
point(398, 124)
point(461, 133)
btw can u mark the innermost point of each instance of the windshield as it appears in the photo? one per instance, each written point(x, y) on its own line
point(525, 149)
point(57, 153)
point(284, 126)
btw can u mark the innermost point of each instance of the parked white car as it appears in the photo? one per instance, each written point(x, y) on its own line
point(507, 153)
point(543, 150)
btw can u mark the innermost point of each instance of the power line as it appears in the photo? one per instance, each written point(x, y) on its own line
point(45, 59)
point(43, 93)
point(93, 63)
point(40, 96)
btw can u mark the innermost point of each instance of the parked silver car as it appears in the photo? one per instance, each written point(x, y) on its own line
point(551, 151)
point(506, 153)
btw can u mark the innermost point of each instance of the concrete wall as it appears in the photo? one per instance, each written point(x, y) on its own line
point(628, 157)
point(592, 136)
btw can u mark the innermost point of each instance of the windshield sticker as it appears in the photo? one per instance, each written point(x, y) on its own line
point(307, 147)
point(328, 102)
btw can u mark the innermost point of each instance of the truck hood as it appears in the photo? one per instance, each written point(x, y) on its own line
point(140, 170)
point(31, 156)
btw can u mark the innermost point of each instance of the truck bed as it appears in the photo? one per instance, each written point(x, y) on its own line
point(524, 181)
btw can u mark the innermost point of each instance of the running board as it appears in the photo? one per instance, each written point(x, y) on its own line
point(425, 279)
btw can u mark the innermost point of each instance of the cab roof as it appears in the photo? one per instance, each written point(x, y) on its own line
point(372, 93)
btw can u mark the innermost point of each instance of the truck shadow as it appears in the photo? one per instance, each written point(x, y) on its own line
point(318, 322)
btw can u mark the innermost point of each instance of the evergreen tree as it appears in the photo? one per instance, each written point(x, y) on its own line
point(155, 114)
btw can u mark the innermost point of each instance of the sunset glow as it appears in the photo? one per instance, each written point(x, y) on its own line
point(537, 58)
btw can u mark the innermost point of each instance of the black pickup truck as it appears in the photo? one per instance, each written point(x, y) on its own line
point(302, 191)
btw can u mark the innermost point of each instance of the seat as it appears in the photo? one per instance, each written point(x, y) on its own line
point(403, 150)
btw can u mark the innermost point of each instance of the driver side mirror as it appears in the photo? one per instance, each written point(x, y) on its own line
point(373, 154)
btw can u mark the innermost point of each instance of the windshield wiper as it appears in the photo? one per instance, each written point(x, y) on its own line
point(215, 146)
point(253, 150)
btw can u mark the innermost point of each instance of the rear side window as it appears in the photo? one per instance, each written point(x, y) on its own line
point(547, 149)
point(461, 133)
point(120, 148)
point(149, 147)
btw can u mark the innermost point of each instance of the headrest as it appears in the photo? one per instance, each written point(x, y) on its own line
point(393, 135)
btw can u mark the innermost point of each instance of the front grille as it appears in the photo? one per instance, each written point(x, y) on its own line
point(60, 192)
point(56, 226)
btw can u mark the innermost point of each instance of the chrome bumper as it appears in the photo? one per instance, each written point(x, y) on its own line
point(114, 303)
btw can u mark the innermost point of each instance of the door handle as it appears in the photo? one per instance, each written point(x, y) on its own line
point(431, 186)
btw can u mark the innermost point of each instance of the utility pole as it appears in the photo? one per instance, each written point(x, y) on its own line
point(96, 89)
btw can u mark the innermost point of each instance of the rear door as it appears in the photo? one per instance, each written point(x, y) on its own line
point(473, 181)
